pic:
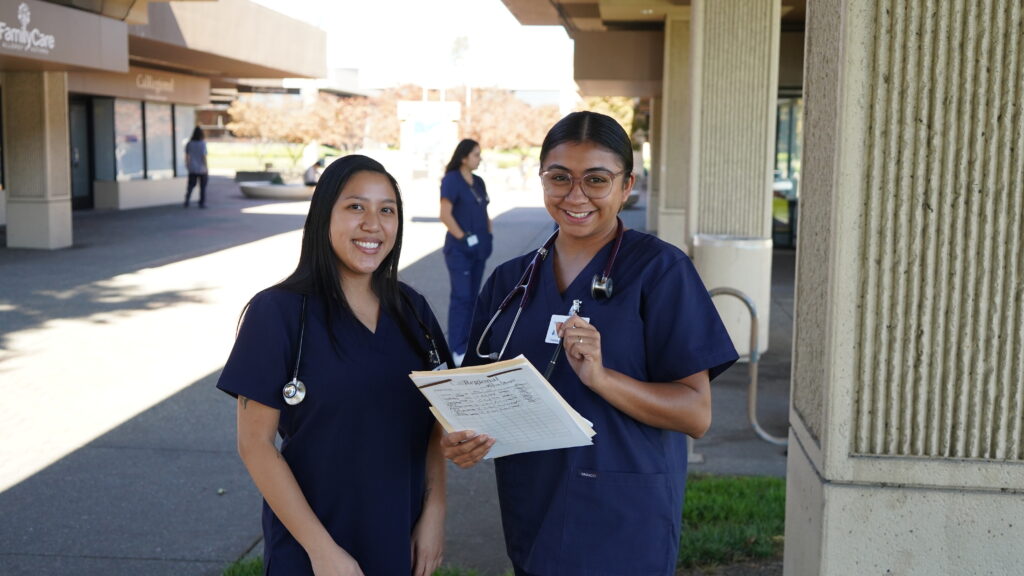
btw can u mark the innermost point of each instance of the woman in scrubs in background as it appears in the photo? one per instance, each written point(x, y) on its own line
point(358, 486)
point(468, 243)
point(638, 364)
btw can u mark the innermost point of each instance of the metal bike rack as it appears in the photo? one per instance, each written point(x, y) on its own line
point(754, 357)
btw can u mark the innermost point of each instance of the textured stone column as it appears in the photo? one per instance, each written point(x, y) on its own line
point(719, 90)
point(676, 169)
point(654, 177)
point(907, 444)
point(738, 84)
point(38, 165)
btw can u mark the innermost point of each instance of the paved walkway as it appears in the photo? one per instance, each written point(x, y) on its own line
point(119, 453)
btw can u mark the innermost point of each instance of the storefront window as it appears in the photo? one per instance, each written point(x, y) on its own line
point(128, 149)
point(159, 142)
point(184, 123)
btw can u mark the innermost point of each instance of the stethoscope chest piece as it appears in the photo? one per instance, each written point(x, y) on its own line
point(294, 392)
point(601, 287)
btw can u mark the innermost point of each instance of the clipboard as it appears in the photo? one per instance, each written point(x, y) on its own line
point(509, 401)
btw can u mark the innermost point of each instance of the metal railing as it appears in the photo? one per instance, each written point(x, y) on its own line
point(754, 357)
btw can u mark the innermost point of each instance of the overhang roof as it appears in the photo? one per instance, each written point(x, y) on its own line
point(601, 15)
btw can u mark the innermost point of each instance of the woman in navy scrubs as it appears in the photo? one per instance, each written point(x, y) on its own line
point(358, 486)
point(467, 244)
point(637, 362)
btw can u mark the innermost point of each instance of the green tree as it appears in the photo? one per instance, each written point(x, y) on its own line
point(619, 107)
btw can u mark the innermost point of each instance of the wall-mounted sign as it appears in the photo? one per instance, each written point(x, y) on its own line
point(26, 38)
point(143, 84)
point(156, 85)
point(38, 35)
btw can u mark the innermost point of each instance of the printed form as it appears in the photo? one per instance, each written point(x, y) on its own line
point(509, 401)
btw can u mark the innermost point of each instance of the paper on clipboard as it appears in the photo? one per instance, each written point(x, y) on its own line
point(509, 401)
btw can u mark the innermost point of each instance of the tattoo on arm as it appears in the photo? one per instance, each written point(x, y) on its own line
point(245, 402)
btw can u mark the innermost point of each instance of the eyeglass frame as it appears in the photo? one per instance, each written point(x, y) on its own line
point(573, 180)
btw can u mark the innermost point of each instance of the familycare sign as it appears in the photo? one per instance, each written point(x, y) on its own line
point(26, 38)
point(43, 36)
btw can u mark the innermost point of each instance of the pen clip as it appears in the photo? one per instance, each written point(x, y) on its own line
point(575, 309)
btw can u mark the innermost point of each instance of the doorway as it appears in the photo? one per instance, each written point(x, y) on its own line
point(81, 154)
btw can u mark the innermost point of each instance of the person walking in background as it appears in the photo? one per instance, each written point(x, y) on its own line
point(195, 162)
point(358, 486)
point(312, 174)
point(638, 359)
point(468, 242)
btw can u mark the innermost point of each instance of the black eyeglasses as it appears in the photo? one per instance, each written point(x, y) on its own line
point(595, 185)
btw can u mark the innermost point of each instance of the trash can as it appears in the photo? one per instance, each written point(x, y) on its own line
point(744, 264)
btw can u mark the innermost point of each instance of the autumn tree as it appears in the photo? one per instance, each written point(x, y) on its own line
point(499, 120)
point(342, 122)
point(383, 124)
point(267, 123)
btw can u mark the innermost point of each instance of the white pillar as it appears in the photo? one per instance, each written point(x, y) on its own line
point(38, 165)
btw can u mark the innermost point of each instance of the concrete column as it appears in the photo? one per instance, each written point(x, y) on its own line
point(678, 127)
point(719, 89)
point(654, 177)
point(38, 165)
point(738, 85)
point(907, 441)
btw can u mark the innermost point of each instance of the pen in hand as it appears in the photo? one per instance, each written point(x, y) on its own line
point(575, 309)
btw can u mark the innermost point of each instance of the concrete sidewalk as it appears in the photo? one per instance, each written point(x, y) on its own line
point(120, 454)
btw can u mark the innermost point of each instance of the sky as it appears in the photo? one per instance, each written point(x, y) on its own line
point(395, 42)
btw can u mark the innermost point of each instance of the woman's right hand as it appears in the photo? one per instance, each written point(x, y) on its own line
point(465, 448)
point(333, 560)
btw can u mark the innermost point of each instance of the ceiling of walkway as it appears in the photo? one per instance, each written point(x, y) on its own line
point(602, 15)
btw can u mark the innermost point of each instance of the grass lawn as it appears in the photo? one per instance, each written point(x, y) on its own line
point(732, 519)
point(726, 520)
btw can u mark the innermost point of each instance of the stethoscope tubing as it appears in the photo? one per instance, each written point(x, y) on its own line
point(527, 283)
point(294, 390)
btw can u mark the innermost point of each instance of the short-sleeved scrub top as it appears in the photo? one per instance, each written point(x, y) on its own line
point(469, 208)
point(357, 443)
point(615, 507)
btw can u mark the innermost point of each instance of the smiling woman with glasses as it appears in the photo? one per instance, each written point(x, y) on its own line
point(637, 363)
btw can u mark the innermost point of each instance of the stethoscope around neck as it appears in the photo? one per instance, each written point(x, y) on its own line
point(294, 391)
point(600, 288)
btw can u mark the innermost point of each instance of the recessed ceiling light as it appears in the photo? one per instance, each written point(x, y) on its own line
point(647, 11)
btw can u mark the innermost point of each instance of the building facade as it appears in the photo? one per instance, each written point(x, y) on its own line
point(97, 102)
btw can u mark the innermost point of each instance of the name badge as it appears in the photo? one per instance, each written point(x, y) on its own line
point(472, 240)
point(556, 319)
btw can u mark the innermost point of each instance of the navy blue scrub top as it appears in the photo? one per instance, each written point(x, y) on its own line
point(358, 442)
point(613, 508)
point(469, 208)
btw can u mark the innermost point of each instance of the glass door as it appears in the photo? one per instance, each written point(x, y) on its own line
point(81, 165)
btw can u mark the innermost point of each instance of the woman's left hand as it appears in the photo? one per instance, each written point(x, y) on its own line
point(427, 542)
point(582, 343)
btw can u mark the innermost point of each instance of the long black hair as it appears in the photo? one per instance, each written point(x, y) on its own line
point(317, 275)
point(586, 126)
point(465, 148)
point(197, 134)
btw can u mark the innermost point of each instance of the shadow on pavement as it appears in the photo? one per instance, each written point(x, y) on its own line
point(162, 494)
point(40, 285)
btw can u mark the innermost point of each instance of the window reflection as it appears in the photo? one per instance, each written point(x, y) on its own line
point(128, 146)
